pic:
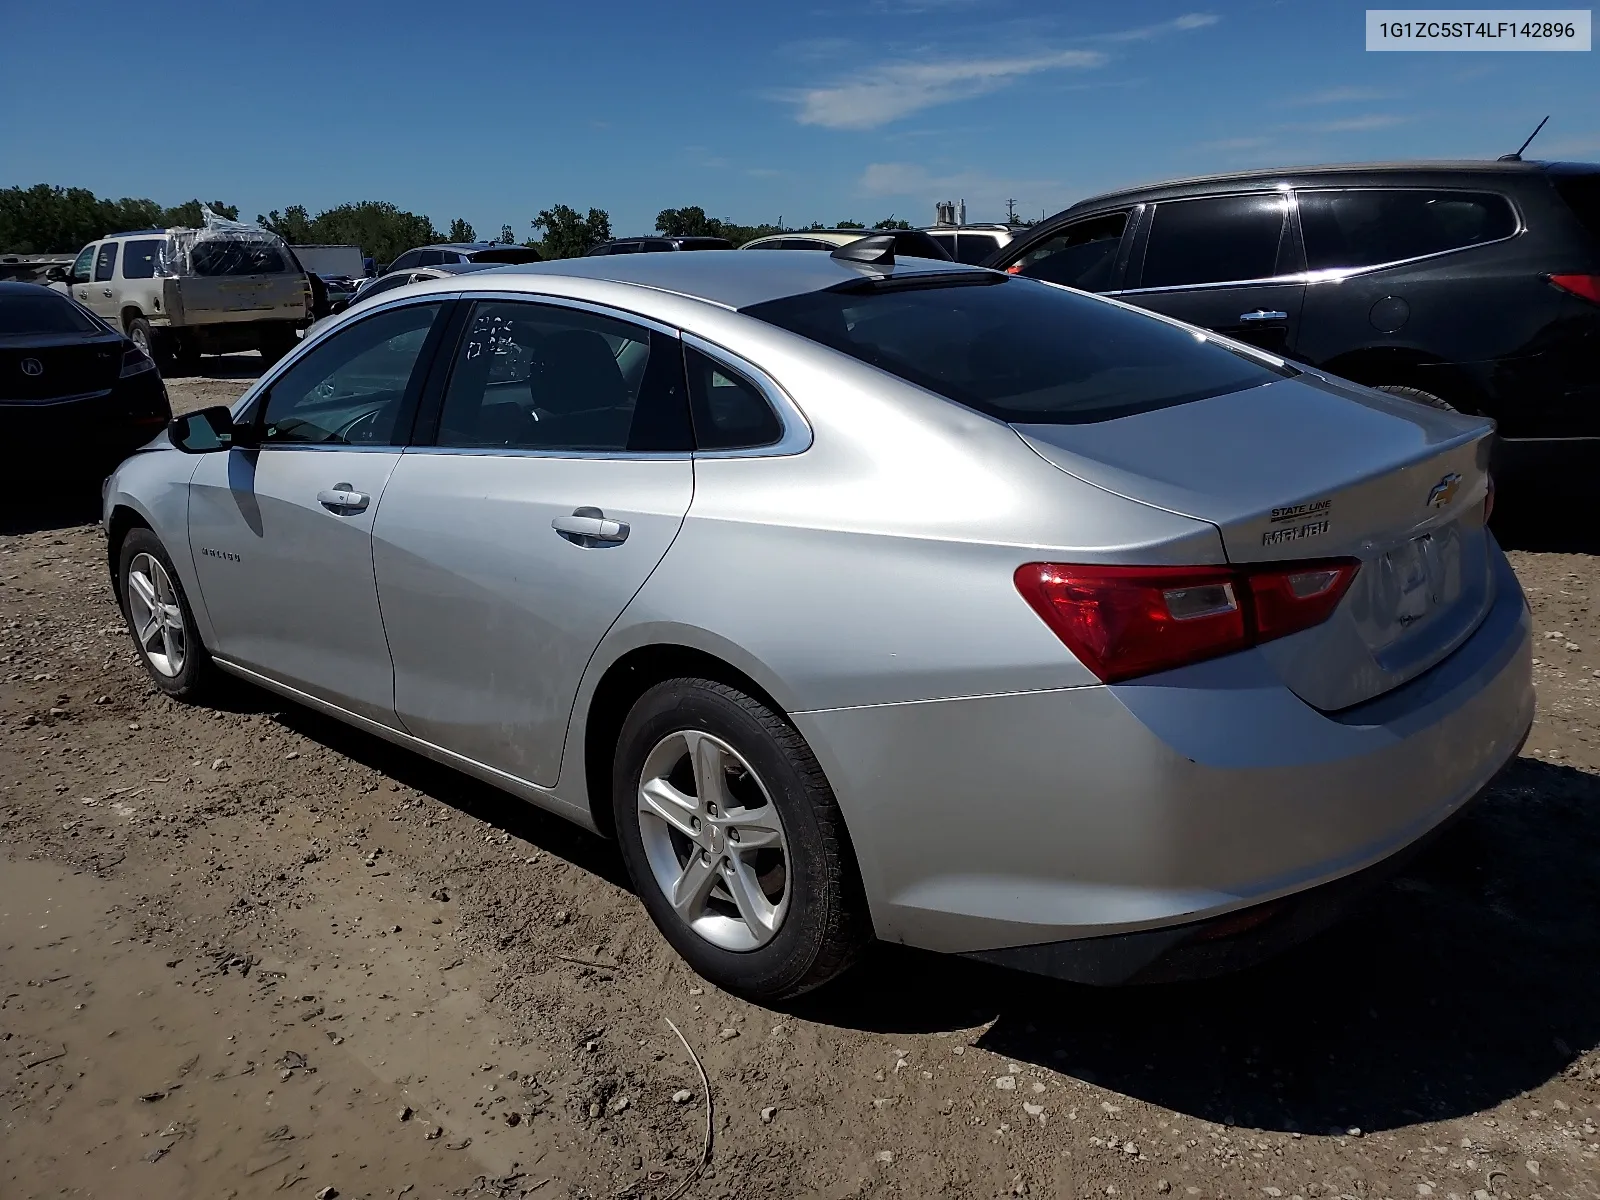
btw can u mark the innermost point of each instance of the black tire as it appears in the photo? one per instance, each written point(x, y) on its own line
point(1417, 394)
point(196, 678)
point(156, 347)
point(825, 925)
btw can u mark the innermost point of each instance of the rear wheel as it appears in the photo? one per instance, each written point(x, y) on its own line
point(160, 619)
point(734, 841)
point(1417, 394)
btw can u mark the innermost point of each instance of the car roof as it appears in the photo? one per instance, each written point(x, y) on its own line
point(15, 287)
point(731, 279)
point(460, 246)
point(457, 268)
point(1268, 175)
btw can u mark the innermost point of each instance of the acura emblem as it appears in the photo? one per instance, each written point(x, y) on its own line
point(32, 366)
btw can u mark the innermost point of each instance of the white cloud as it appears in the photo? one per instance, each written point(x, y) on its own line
point(1343, 95)
point(1354, 124)
point(1177, 25)
point(1235, 143)
point(901, 89)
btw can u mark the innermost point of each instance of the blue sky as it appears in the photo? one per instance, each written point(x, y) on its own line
point(753, 111)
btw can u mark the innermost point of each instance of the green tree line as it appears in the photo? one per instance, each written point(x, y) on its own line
point(47, 219)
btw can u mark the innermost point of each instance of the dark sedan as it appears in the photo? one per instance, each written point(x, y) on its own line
point(76, 396)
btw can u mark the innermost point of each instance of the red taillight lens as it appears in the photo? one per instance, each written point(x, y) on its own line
point(1587, 286)
point(1014, 269)
point(1123, 622)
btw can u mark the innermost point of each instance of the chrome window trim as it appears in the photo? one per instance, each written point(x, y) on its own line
point(1290, 227)
point(583, 455)
point(1335, 274)
point(796, 437)
point(602, 310)
point(1266, 281)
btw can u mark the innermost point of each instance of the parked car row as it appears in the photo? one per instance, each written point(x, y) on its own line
point(863, 595)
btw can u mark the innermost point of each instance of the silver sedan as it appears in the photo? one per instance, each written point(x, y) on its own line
point(860, 598)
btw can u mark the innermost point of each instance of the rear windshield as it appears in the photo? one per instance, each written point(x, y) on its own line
point(235, 256)
point(1019, 350)
point(43, 313)
point(1582, 194)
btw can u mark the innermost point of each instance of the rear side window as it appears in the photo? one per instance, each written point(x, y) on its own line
point(1215, 239)
point(1582, 194)
point(235, 256)
point(43, 312)
point(730, 413)
point(430, 258)
point(1362, 228)
point(947, 242)
point(139, 258)
point(1020, 351)
point(410, 258)
point(105, 262)
point(973, 249)
point(1083, 255)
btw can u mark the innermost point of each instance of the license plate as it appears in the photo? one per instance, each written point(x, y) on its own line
point(1418, 578)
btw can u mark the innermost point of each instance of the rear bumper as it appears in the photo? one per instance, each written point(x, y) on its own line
point(994, 823)
point(83, 437)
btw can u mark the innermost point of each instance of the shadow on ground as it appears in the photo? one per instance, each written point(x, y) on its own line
point(220, 366)
point(1470, 980)
point(60, 504)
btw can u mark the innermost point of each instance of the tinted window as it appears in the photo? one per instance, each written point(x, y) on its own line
point(43, 312)
point(409, 259)
point(705, 244)
point(655, 246)
point(1582, 194)
point(625, 248)
point(506, 254)
point(729, 411)
point(430, 258)
point(1362, 228)
point(105, 262)
point(805, 244)
point(1019, 350)
point(972, 248)
point(772, 244)
point(139, 258)
point(915, 244)
point(1083, 255)
point(236, 256)
point(387, 283)
point(81, 265)
point(947, 242)
point(1213, 240)
point(351, 389)
point(539, 377)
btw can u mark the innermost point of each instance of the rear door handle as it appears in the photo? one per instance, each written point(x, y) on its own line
point(589, 525)
point(1262, 314)
point(342, 499)
point(105, 291)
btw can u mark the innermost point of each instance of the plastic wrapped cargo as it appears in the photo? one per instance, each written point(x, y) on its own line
point(223, 247)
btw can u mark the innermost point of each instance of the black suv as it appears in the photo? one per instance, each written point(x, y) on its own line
point(1474, 285)
point(660, 245)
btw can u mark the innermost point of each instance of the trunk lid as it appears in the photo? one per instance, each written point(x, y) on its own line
point(1310, 468)
point(44, 367)
point(207, 299)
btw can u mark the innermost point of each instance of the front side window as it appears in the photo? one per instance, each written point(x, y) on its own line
point(105, 263)
point(532, 376)
point(354, 388)
point(1357, 228)
point(1083, 255)
point(82, 265)
point(729, 410)
point(140, 259)
point(410, 258)
point(1018, 350)
point(1215, 239)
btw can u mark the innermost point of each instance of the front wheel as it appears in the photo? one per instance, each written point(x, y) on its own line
point(734, 841)
point(159, 617)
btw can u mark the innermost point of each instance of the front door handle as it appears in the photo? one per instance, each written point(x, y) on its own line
point(589, 527)
point(1262, 314)
point(343, 499)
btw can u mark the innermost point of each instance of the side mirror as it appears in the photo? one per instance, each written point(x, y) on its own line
point(205, 431)
point(56, 274)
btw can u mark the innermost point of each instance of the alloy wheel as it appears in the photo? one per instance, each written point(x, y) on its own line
point(714, 840)
point(157, 616)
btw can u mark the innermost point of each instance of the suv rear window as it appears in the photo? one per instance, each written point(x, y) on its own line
point(1365, 227)
point(140, 259)
point(46, 313)
point(1018, 350)
point(235, 256)
point(1582, 194)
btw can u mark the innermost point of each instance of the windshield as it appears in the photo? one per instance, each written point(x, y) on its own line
point(44, 313)
point(1019, 350)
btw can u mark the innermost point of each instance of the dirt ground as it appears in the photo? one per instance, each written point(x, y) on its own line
point(247, 951)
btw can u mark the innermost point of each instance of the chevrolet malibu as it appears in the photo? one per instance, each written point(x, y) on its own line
point(862, 598)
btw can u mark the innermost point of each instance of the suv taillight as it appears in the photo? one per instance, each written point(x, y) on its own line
point(1587, 286)
point(1122, 622)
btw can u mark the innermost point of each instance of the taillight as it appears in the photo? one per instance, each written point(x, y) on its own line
point(1587, 286)
point(1123, 622)
point(135, 361)
point(1014, 269)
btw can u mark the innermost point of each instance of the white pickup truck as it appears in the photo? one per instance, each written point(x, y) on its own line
point(181, 293)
